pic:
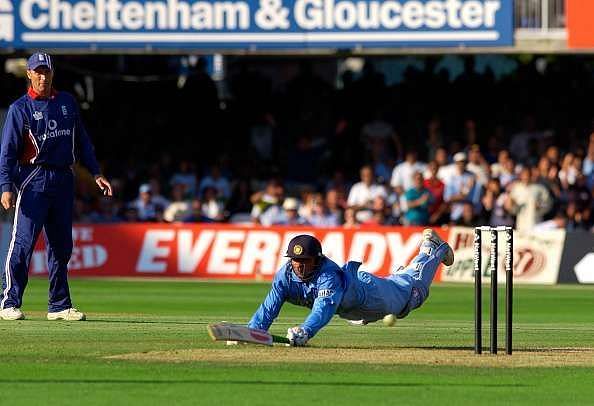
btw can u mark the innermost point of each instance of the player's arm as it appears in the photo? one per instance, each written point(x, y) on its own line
point(270, 308)
point(11, 146)
point(330, 292)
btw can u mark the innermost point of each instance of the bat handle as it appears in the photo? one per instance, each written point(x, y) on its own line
point(280, 339)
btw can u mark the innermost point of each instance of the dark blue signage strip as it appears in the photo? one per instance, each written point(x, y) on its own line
point(253, 24)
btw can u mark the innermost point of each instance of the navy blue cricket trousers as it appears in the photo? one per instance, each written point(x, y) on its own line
point(44, 200)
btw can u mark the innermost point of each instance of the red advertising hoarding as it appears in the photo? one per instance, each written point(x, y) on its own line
point(223, 251)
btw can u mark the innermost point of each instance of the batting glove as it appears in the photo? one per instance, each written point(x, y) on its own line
point(297, 336)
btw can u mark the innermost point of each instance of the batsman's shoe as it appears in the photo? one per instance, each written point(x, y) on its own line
point(71, 314)
point(11, 313)
point(433, 241)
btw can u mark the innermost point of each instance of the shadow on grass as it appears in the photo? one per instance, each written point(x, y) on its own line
point(197, 323)
point(486, 351)
point(246, 382)
point(384, 346)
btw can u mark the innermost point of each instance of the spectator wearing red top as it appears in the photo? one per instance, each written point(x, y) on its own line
point(438, 208)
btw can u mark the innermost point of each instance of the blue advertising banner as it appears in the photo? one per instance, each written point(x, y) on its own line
point(254, 24)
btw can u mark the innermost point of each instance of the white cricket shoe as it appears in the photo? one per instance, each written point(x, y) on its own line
point(11, 313)
point(434, 240)
point(71, 314)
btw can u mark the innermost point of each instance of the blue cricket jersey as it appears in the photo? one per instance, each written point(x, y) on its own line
point(349, 292)
point(44, 131)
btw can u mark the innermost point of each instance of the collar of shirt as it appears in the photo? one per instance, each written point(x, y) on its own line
point(36, 96)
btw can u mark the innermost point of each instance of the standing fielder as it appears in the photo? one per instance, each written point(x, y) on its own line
point(42, 138)
point(310, 279)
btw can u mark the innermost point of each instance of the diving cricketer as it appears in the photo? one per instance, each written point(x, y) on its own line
point(42, 138)
point(312, 280)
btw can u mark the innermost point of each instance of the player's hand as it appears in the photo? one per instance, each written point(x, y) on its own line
point(7, 200)
point(104, 185)
point(297, 336)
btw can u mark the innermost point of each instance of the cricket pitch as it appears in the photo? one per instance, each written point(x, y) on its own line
point(550, 357)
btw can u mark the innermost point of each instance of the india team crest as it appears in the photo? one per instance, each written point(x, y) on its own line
point(297, 249)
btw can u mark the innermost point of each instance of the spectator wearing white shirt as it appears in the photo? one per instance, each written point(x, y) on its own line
point(498, 167)
point(529, 201)
point(444, 168)
point(402, 175)
point(570, 169)
point(504, 168)
point(460, 187)
point(478, 165)
point(179, 208)
point(362, 194)
point(208, 209)
point(445, 173)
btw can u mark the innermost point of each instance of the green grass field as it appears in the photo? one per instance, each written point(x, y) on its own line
point(145, 343)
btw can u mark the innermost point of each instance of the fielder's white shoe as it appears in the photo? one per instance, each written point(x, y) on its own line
point(433, 239)
point(71, 314)
point(11, 313)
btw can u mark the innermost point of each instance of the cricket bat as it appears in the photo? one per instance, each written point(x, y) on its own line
point(236, 332)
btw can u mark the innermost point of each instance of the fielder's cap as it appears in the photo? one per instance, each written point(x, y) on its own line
point(39, 59)
point(460, 157)
point(304, 246)
point(290, 203)
point(144, 188)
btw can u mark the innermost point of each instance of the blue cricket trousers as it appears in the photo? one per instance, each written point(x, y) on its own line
point(398, 293)
point(420, 272)
point(44, 199)
point(407, 289)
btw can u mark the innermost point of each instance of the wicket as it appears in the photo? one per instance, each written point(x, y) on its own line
point(493, 263)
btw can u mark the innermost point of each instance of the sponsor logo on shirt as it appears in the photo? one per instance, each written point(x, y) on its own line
point(54, 132)
point(37, 115)
point(325, 292)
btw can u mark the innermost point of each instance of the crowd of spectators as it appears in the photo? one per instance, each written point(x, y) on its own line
point(554, 192)
point(427, 150)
